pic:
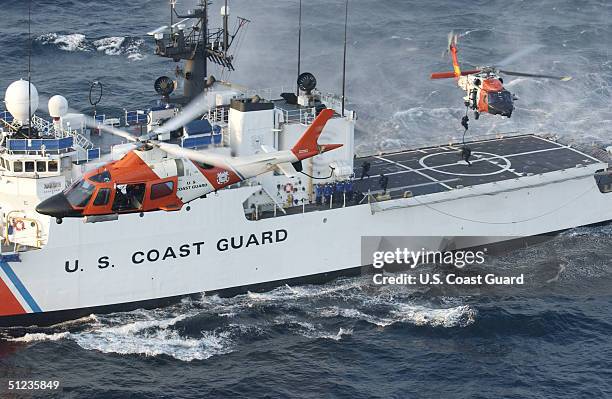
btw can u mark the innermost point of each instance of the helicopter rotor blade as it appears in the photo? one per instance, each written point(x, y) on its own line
point(518, 55)
point(207, 157)
point(535, 75)
point(196, 108)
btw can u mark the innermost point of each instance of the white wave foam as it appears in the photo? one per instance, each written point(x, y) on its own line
point(160, 342)
point(311, 330)
point(154, 337)
point(110, 45)
point(113, 45)
point(71, 42)
point(326, 335)
point(37, 337)
point(460, 316)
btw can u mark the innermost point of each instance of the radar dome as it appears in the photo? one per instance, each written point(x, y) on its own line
point(58, 106)
point(17, 101)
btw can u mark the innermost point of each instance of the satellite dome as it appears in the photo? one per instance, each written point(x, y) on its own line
point(16, 99)
point(58, 106)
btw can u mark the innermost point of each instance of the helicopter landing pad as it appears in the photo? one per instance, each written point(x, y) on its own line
point(435, 169)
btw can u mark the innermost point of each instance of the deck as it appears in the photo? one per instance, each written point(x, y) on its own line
point(441, 168)
point(436, 169)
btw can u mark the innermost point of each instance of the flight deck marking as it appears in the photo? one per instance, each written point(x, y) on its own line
point(519, 174)
point(417, 171)
point(493, 161)
point(569, 148)
point(476, 154)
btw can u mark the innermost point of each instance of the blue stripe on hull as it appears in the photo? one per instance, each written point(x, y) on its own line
point(20, 287)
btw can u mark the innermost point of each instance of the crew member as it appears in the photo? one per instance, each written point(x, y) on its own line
point(383, 181)
point(348, 189)
point(318, 194)
point(339, 191)
point(466, 153)
point(365, 169)
point(327, 192)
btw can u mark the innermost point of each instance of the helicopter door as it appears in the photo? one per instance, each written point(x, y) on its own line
point(128, 197)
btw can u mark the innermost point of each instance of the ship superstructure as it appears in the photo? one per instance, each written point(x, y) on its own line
point(292, 223)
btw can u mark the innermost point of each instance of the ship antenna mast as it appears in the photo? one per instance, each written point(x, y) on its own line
point(299, 45)
point(29, 68)
point(344, 56)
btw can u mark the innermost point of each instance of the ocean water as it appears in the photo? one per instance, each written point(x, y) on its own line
point(348, 338)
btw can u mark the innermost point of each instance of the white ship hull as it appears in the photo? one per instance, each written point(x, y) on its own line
point(136, 261)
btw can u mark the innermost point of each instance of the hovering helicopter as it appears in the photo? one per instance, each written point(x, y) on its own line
point(484, 85)
point(161, 176)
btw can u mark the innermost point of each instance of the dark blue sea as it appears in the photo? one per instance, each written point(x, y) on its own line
point(550, 338)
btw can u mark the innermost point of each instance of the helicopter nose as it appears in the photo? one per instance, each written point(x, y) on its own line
point(57, 206)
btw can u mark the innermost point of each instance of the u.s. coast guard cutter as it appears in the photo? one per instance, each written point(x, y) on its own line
point(304, 218)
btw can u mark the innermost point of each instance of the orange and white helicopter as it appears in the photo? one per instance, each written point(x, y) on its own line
point(157, 175)
point(483, 86)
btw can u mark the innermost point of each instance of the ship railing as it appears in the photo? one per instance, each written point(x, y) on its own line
point(136, 117)
point(218, 114)
point(79, 139)
point(304, 116)
point(268, 93)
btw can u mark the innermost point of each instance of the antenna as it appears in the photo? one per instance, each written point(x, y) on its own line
point(29, 68)
point(344, 56)
point(225, 27)
point(299, 45)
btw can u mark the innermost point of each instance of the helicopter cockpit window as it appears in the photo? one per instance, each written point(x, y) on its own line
point(128, 197)
point(79, 194)
point(160, 190)
point(102, 197)
point(103, 177)
point(501, 101)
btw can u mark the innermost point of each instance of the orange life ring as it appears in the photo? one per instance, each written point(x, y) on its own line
point(288, 188)
point(19, 225)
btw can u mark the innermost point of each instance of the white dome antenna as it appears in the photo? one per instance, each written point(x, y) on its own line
point(58, 107)
point(20, 101)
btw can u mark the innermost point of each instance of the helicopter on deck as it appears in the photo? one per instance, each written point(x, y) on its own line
point(483, 86)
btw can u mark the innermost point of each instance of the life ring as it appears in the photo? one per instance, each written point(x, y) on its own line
point(288, 188)
point(19, 225)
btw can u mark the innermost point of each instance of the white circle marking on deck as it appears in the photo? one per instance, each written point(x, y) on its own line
point(490, 155)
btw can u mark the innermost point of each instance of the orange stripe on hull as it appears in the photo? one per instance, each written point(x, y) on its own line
point(8, 303)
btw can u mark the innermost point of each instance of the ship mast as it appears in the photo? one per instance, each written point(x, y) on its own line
point(196, 45)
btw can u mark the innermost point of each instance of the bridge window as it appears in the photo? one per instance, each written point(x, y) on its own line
point(161, 190)
point(41, 166)
point(102, 197)
point(18, 166)
point(52, 166)
point(29, 166)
